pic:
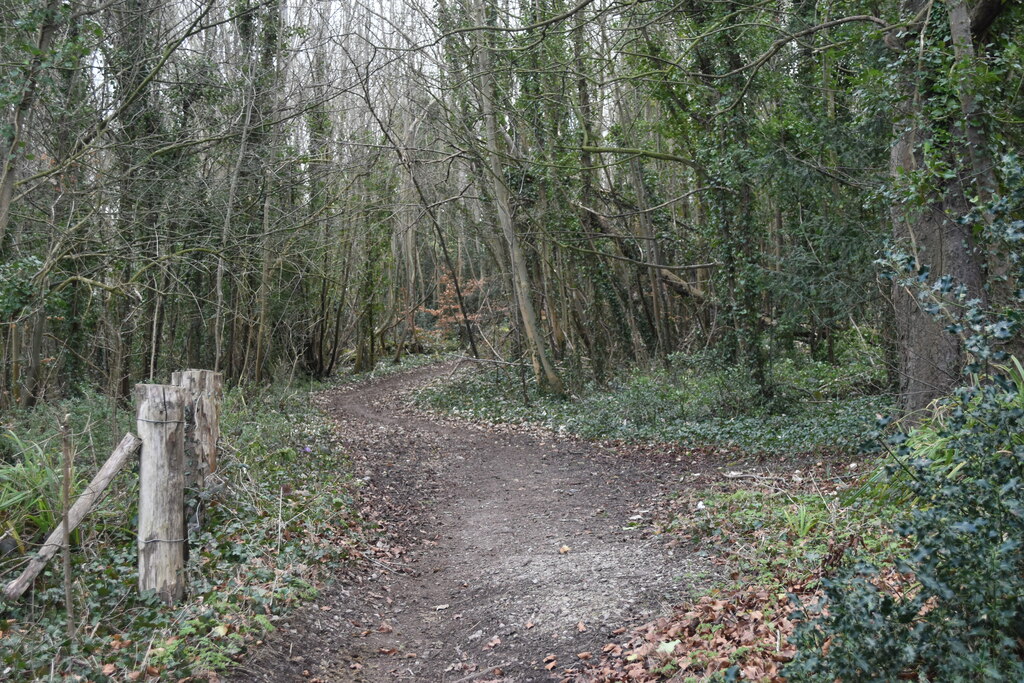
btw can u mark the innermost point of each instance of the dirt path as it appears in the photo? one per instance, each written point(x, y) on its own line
point(516, 549)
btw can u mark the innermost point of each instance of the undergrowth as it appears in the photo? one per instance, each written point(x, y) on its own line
point(956, 615)
point(386, 367)
point(695, 402)
point(280, 511)
point(776, 537)
point(773, 536)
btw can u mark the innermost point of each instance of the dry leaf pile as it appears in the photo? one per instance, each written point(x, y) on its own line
point(748, 629)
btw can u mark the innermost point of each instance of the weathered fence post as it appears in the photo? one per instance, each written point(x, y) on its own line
point(161, 426)
point(203, 392)
point(202, 429)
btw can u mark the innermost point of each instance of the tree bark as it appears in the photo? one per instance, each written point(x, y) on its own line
point(544, 369)
point(930, 359)
point(11, 156)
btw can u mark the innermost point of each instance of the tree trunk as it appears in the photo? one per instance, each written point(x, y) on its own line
point(929, 358)
point(225, 232)
point(544, 369)
point(9, 150)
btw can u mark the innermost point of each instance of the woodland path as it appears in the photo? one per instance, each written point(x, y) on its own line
point(482, 586)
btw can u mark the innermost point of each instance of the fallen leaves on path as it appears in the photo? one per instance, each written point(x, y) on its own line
point(748, 628)
point(745, 628)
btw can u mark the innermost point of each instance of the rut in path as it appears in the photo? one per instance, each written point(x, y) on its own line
point(520, 545)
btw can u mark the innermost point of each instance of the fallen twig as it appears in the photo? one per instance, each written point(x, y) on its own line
point(478, 674)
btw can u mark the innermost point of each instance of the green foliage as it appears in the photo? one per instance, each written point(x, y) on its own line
point(31, 459)
point(960, 616)
point(935, 443)
point(30, 490)
point(697, 401)
point(858, 370)
point(385, 367)
point(775, 540)
point(279, 512)
point(16, 285)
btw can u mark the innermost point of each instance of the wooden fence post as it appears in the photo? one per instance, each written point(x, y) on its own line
point(161, 418)
point(203, 392)
point(202, 429)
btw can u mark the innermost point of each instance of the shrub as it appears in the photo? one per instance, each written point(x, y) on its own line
point(958, 611)
point(698, 401)
point(961, 615)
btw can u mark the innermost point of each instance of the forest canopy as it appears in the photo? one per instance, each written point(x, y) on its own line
point(270, 187)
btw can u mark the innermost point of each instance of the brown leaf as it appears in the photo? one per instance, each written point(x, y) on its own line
point(119, 644)
point(581, 627)
point(551, 665)
point(584, 655)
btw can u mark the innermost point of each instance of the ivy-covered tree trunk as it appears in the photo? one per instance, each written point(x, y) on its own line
point(544, 368)
point(11, 135)
point(930, 358)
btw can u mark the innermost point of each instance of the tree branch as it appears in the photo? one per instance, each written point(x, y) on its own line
point(640, 153)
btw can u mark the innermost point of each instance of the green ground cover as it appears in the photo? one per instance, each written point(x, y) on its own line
point(695, 401)
point(280, 512)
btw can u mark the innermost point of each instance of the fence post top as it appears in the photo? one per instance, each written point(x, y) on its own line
point(159, 403)
point(202, 371)
point(145, 390)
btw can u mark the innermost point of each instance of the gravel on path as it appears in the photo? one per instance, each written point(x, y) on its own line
point(517, 552)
